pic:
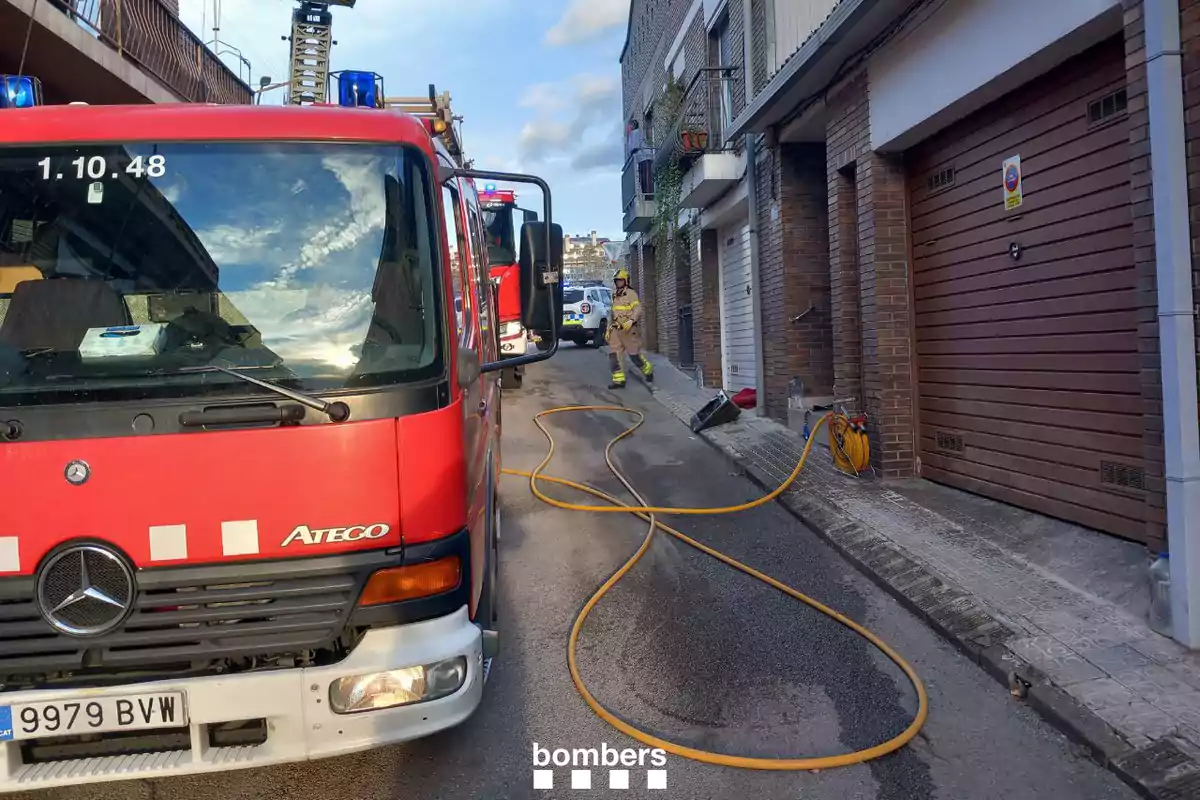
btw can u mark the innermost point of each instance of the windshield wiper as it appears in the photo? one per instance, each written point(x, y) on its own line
point(337, 411)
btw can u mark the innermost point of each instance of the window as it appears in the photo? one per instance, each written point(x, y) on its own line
point(480, 263)
point(501, 225)
point(723, 48)
point(942, 179)
point(310, 263)
point(459, 260)
point(1107, 107)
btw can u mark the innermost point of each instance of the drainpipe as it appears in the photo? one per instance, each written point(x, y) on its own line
point(1176, 313)
point(760, 378)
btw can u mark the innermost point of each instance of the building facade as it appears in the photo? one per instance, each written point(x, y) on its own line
point(130, 51)
point(981, 240)
point(585, 258)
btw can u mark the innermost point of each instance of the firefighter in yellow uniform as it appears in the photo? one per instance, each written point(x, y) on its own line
point(625, 332)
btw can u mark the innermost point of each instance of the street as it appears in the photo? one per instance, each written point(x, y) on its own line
point(685, 647)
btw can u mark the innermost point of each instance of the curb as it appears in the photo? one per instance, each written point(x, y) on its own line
point(1167, 769)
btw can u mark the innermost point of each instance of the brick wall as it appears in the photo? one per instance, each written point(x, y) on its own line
point(633, 265)
point(758, 44)
point(706, 307)
point(666, 301)
point(654, 24)
point(793, 227)
point(878, 261)
point(648, 294)
point(666, 279)
point(737, 46)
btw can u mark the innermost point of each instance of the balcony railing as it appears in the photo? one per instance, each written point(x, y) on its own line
point(698, 127)
point(637, 191)
point(147, 33)
point(637, 177)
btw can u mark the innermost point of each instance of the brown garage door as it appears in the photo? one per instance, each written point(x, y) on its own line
point(1028, 367)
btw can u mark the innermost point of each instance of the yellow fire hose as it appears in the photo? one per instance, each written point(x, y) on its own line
point(647, 512)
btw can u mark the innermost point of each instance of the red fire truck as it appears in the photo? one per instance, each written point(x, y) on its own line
point(251, 455)
point(502, 220)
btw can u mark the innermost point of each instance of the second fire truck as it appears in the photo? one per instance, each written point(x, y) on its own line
point(502, 220)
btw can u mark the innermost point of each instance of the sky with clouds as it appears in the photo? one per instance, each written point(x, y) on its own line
point(537, 81)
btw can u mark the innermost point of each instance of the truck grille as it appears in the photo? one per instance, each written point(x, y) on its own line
point(194, 618)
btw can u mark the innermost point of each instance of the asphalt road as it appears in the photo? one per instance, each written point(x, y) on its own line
point(688, 649)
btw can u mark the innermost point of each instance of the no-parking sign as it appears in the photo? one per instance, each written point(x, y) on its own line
point(1012, 183)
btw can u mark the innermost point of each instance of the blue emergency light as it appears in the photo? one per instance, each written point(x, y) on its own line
point(20, 91)
point(359, 89)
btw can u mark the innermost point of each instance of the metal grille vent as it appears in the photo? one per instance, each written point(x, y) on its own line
point(943, 179)
point(1107, 107)
point(950, 442)
point(1124, 476)
point(733, 369)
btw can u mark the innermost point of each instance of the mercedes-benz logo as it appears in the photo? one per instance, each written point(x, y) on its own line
point(77, 472)
point(85, 590)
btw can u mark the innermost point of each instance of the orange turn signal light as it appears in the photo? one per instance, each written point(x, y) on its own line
point(409, 582)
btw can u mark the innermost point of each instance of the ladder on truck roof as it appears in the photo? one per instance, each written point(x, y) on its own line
point(311, 40)
point(435, 106)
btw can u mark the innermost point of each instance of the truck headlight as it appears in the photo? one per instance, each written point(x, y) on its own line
point(397, 687)
point(510, 329)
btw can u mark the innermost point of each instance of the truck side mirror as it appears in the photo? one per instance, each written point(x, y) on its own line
point(541, 277)
point(540, 265)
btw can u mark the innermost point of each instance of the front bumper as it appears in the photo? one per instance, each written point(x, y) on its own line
point(514, 347)
point(294, 702)
point(585, 327)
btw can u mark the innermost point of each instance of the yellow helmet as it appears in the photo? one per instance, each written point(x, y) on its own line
point(622, 275)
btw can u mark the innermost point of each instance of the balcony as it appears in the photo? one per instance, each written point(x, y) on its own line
point(113, 51)
point(637, 194)
point(694, 135)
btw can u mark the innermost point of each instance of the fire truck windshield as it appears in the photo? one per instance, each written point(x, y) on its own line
point(501, 225)
point(125, 268)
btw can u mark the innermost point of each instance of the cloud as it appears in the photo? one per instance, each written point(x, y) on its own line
point(591, 102)
point(599, 156)
point(587, 19)
point(232, 244)
point(499, 82)
point(543, 96)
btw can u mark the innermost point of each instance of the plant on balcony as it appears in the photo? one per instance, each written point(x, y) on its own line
point(694, 138)
point(669, 106)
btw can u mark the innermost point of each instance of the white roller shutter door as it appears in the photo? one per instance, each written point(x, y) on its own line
point(739, 341)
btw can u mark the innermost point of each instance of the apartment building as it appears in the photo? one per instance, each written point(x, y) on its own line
point(686, 212)
point(951, 224)
point(586, 258)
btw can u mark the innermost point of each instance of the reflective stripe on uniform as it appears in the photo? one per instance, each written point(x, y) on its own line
point(619, 375)
point(629, 307)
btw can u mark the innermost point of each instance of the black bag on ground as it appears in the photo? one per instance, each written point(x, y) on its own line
point(717, 411)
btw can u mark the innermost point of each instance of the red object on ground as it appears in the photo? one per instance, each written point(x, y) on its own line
point(746, 398)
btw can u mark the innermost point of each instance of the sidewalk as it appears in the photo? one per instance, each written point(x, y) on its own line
point(1054, 611)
